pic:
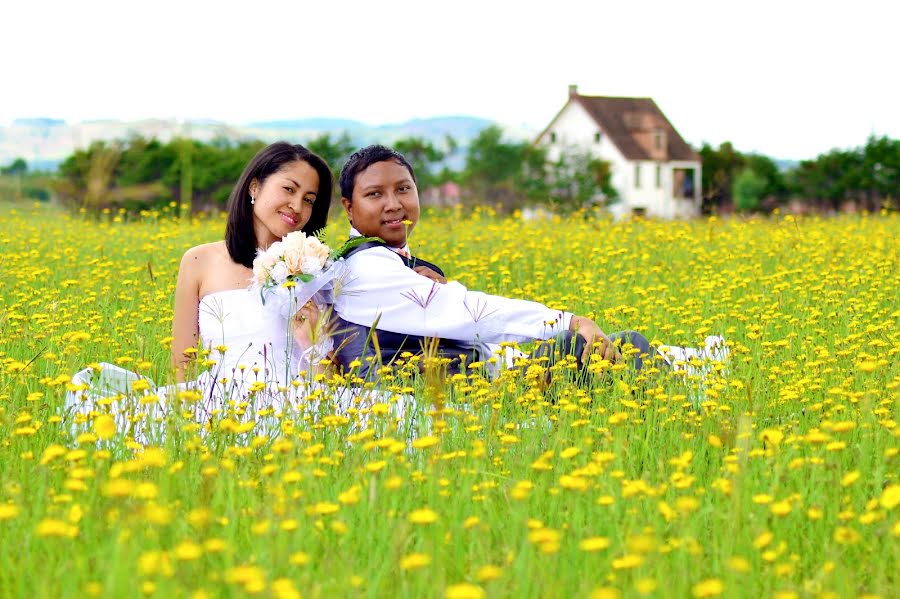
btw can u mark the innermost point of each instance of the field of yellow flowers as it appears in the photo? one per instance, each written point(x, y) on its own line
point(774, 474)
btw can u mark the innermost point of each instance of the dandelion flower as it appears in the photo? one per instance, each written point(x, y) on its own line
point(413, 561)
point(423, 516)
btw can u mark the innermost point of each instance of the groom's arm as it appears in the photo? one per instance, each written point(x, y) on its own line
point(379, 287)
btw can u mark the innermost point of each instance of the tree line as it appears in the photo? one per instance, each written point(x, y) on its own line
point(867, 176)
point(139, 173)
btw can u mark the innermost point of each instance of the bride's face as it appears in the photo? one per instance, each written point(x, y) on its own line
point(284, 201)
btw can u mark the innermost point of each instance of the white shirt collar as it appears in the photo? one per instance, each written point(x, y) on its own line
point(355, 233)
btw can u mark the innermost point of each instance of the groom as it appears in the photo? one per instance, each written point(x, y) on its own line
point(392, 302)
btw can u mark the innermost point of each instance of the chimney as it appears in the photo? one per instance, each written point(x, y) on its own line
point(573, 90)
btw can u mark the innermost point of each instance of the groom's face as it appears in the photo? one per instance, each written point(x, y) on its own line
point(385, 202)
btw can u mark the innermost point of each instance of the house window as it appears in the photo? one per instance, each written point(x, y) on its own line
point(658, 176)
point(597, 137)
point(553, 137)
point(637, 175)
point(658, 140)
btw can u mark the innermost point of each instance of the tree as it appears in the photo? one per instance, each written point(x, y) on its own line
point(424, 157)
point(502, 172)
point(748, 190)
point(577, 180)
point(16, 168)
point(764, 167)
point(334, 151)
point(720, 167)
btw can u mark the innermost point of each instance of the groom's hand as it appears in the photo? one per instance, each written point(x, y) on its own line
point(592, 334)
point(427, 272)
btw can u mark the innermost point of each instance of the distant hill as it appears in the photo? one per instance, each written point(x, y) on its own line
point(45, 142)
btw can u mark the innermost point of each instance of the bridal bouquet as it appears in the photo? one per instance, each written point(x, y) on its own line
point(300, 268)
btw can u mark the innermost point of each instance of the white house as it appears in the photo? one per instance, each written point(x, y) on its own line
point(654, 170)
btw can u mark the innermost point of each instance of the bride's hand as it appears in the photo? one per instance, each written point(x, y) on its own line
point(306, 322)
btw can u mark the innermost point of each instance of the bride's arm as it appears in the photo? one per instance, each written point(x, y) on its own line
point(185, 327)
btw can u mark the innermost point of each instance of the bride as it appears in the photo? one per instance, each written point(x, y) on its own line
point(220, 329)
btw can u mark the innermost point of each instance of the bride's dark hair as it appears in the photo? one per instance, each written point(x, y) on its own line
point(240, 238)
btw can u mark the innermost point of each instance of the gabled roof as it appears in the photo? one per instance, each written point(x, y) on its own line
point(630, 124)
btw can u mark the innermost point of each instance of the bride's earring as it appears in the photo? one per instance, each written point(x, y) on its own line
point(252, 200)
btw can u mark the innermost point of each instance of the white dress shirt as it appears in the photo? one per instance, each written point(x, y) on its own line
point(379, 289)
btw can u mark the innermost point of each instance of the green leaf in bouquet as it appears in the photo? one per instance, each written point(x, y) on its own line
point(352, 243)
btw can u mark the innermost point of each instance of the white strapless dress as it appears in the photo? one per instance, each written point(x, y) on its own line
point(251, 361)
point(247, 343)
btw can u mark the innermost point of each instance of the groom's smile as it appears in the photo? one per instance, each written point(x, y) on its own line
point(385, 202)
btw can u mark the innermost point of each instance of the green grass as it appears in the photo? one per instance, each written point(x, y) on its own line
point(780, 479)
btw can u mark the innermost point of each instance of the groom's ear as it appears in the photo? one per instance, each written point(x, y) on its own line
point(348, 208)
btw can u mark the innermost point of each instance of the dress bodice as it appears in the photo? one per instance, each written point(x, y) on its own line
point(242, 335)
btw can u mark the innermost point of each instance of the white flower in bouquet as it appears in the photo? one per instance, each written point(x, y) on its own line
point(277, 249)
point(279, 273)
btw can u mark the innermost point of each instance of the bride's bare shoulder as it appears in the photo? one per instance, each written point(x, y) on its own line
point(207, 251)
point(202, 256)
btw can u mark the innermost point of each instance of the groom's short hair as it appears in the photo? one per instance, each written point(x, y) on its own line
point(363, 159)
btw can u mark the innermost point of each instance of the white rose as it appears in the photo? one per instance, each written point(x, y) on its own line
point(293, 254)
point(294, 239)
point(276, 249)
point(311, 265)
point(262, 264)
point(279, 273)
point(317, 250)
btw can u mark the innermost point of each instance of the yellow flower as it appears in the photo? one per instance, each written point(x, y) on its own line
point(890, 497)
point(627, 561)
point(300, 558)
point(739, 564)
point(55, 528)
point(188, 551)
point(594, 544)
point(464, 590)
point(423, 516)
point(51, 453)
point(424, 442)
point(324, 508)
point(780, 508)
point(414, 561)
point(844, 535)
point(350, 496)
point(488, 572)
point(8, 511)
point(105, 426)
point(376, 466)
point(763, 540)
point(645, 586)
point(849, 478)
point(711, 587)
point(569, 453)
point(771, 436)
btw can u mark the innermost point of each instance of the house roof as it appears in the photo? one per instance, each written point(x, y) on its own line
point(629, 122)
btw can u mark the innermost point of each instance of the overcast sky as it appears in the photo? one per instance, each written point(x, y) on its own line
point(789, 78)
